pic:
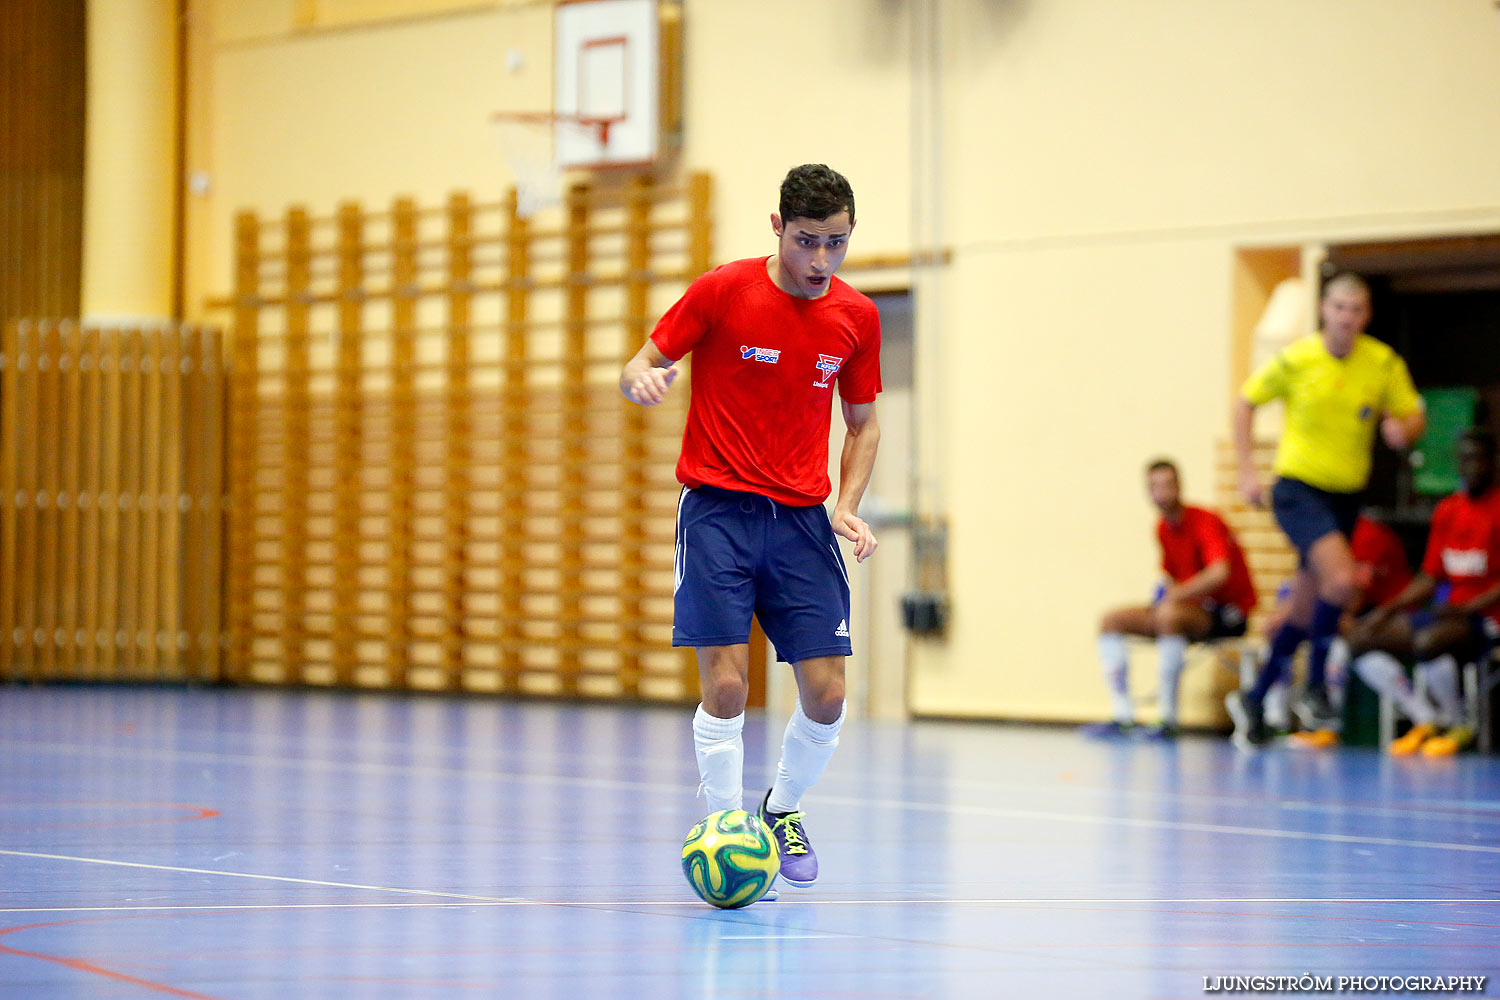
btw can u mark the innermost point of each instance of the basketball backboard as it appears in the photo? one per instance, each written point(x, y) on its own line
point(608, 69)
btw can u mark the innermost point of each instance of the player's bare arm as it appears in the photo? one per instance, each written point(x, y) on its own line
point(1403, 432)
point(856, 461)
point(1418, 592)
point(1202, 583)
point(1479, 603)
point(647, 376)
point(1244, 450)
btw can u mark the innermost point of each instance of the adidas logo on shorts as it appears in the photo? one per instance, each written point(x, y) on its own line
point(843, 630)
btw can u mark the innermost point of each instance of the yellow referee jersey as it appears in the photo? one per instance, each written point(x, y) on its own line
point(1333, 406)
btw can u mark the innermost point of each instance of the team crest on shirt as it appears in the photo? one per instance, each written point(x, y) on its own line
point(1366, 412)
point(1466, 562)
point(767, 354)
point(829, 366)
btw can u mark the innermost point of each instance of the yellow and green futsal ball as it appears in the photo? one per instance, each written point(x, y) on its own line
point(730, 859)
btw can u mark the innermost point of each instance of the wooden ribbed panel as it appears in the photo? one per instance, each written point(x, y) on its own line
point(435, 482)
point(111, 502)
point(41, 157)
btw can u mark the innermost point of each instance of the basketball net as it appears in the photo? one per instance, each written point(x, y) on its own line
point(529, 144)
point(529, 149)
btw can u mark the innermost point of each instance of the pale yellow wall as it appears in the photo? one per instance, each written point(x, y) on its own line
point(1102, 162)
point(1120, 152)
point(365, 113)
point(129, 174)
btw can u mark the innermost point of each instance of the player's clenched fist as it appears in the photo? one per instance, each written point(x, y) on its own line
point(650, 386)
point(857, 531)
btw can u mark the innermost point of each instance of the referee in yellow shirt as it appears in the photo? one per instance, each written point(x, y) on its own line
point(1337, 385)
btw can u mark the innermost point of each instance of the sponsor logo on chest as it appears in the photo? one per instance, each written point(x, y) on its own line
point(768, 355)
point(1466, 562)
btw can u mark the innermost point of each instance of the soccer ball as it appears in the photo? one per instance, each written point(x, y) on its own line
point(730, 859)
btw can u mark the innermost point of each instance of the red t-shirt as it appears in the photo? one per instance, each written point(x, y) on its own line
point(1464, 546)
point(1380, 561)
point(764, 366)
point(1199, 540)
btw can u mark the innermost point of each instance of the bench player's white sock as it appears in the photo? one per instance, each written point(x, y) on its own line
point(1114, 661)
point(1440, 675)
point(1383, 673)
point(720, 746)
point(1171, 651)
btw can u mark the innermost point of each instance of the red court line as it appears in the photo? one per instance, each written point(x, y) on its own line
point(79, 965)
point(196, 813)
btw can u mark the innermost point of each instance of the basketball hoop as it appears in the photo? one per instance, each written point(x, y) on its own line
point(529, 141)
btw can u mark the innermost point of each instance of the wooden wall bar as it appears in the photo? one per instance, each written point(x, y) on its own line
point(111, 502)
point(515, 400)
point(434, 481)
point(459, 430)
point(41, 157)
point(243, 552)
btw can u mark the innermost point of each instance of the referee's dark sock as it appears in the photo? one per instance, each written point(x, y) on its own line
point(1325, 628)
point(1283, 647)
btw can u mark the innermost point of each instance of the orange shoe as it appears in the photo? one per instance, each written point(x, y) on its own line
point(1313, 739)
point(1409, 744)
point(1456, 739)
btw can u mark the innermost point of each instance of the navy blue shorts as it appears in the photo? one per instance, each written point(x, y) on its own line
point(1229, 620)
point(1307, 513)
point(740, 554)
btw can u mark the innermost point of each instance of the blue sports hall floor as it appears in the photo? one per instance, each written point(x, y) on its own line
point(240, 844)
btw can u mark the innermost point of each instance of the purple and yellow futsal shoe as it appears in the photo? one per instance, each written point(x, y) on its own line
point(1160, 733)
point(799, 864)
point(1112, 730)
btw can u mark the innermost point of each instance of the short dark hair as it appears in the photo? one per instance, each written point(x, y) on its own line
point(1346, 280)
point(815, 191)
point(1483, 437)
point(1162, 463)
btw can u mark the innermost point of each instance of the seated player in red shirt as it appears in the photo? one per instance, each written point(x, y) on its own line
point(1381, 570)
point(1209, 597)
point(1463, 551)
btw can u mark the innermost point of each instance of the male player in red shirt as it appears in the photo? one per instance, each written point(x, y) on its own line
point(1210, 597)
point(1463, 550)
point(1381, 570)
point(771, 337)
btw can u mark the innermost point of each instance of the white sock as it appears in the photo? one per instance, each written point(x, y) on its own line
point(805, 751)
point(721, 759)
point(1114, 660)
point(1441, 679)
point(1275, 709)
point(1171, 650)
point(1383, 673)
point(1337, 670)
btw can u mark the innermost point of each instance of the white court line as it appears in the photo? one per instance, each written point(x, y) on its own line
point(1480, 806)
point(1162, 824)
point(997, 812)
point(1061, 902)
point(252, 875)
